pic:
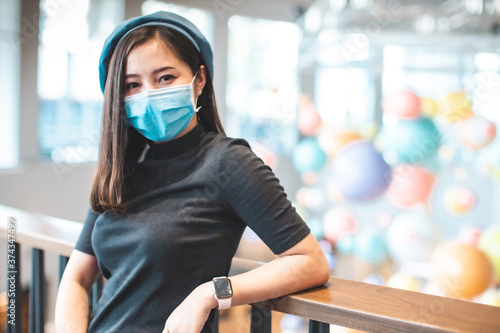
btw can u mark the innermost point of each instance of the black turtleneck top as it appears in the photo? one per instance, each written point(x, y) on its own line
point(191, 199)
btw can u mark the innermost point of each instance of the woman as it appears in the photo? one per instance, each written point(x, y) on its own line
point(172, 195)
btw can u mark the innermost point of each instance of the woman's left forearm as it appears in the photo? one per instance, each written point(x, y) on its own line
point(303, 266)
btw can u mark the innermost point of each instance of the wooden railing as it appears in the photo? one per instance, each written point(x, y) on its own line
point(347, 303)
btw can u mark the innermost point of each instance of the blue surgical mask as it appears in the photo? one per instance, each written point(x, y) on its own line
point(161, 114)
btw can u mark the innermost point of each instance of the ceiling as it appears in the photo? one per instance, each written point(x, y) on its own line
point(423, 17)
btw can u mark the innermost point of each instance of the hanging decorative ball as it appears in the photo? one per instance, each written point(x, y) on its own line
point(359, 172)
point(477, 132)
point(405, 104)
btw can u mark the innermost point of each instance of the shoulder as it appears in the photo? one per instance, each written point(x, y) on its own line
point(233, 160)
point(227, 149)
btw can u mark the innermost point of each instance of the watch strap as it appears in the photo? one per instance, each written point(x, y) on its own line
point(224, 303)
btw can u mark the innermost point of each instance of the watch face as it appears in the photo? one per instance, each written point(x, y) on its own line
point(222, 287)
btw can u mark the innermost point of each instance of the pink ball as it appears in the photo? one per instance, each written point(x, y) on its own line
point(410, 185)
point(337, 222)
point(309, 120)
point(405, 104)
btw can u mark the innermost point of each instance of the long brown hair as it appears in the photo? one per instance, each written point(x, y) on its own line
point(121, 145)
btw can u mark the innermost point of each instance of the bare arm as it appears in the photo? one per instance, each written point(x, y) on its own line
point(72, 308)
point(301, 267)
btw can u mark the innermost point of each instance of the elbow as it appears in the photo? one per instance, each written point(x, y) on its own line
point(323, 271)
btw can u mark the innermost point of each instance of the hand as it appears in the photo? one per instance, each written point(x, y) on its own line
point(193, 312)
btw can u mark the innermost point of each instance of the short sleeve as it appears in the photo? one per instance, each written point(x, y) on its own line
point(254, 194)
point(84, 242)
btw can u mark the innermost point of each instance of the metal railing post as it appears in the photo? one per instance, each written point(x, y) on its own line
point(37, 293)
point(318, 327)
point(63, 261)
point(260, 320)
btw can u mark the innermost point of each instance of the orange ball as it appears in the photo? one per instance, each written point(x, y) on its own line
point(331, 143)
point(461, 270)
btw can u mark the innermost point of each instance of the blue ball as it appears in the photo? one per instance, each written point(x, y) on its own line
point(308, 156)
point(316, 226)
point(370, 246)
point(410, 141)
point(345, 243)
point(359, 171)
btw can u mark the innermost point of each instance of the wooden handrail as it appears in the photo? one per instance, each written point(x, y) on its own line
point(347, 303)
point(41, 231)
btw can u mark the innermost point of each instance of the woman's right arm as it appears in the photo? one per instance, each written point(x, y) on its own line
point(72, 308)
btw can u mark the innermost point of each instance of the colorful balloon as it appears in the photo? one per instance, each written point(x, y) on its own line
point(455, 107)
point(461, 270)
point(459, 200)
point(331, 143)
point(308, 120)
point(428, 107)
point(338, 221)
point(477, 132)
point(359, 172)
point(412, 237)
point(405, 104)
point(345, 243)
point(370, 246)
point(409, 141)
point(308, 156)
point(489, 243)
point(410, 185)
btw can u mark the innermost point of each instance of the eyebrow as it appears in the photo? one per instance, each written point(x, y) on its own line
point(156, 71)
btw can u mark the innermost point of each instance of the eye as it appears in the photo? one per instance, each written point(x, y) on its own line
point(166, 78)
point(131, 85)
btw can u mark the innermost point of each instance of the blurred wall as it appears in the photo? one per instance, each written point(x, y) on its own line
point(49, 188)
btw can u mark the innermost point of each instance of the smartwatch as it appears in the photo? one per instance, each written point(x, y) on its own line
point(223, 291)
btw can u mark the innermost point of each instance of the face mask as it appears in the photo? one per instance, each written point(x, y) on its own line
point(161, 114)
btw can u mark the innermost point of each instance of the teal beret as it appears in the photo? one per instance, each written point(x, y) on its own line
point(174, 21)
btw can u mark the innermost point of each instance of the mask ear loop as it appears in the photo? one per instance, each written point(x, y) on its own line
point(196, 109)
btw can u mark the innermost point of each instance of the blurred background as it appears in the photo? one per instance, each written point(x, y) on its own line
point(379, 117)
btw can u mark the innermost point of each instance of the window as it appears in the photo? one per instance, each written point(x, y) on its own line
point(9, 80)
point(70, 101)
point(201, 18)
point(262, 82)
